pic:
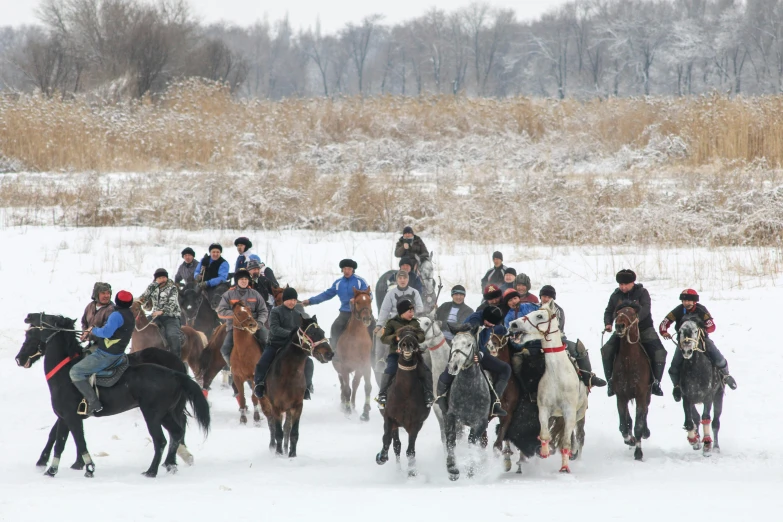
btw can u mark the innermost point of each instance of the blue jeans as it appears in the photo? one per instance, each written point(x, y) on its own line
point(391, 364)
point(93, 363)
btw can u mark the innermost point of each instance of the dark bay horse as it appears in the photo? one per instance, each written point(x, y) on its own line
point(196, 310)
point(700, 383)
point(148, 356)
point(285, 384)
point(146, 334)
point(244, 358)
point(211, 362)
point(353, 350)
point(631, 377)
point(405, 404)
point(160, 393)
point(498, 347)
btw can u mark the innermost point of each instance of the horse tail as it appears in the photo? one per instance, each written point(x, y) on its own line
point(557, 430)
point(198, 403)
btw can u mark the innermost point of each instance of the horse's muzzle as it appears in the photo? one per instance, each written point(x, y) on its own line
point(687, 353)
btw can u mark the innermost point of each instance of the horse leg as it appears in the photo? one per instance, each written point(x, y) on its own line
point(383, 456)
point(641, 423)
point(256, 410)
point(544, 435)
point(270, 420)
point(60, 430)
point(507, 452)
point(296, 414)
point(397, 445)
point(158, 440)
point(47, 451)
point(503, 423)
point(287, 431)
point(357, 380)
point(411, 451)
point(367, 376)
point(691, 425)
point(76, 427)
point(718, 409)
point(705, 422)
point(626, 423)
point(279, 433)
point(176, 434)
point(451, 442)
point(569, 420)
point(345, 392)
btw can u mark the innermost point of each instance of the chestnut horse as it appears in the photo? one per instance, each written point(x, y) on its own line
point(631, 376)
point(353, 354)
point(498, 347)
point(285, 384)
point(146, 334)
point(211, 361)
point(244, 358)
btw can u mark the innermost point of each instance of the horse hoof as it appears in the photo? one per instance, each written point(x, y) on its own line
point(257, 417)
point(696, 446)
point(412, 473)
point(89, 474)
point(365, 416)
point(630, 442)
point(381, 459)
point(574, 455)
point(41, 463)
point(150, 474)
point(453, 475)
point(291, 454)
point(77, 466)
point(637, 455)
point(171, 468)
point(565, 469)
point(51, 472)
point(507, 465)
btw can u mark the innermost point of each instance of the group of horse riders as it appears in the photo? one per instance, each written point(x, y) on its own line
point(506, 297)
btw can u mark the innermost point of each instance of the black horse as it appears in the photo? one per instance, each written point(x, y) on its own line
point(161, 394)
point(196, 310)
point(146, 356)
point(701, 383)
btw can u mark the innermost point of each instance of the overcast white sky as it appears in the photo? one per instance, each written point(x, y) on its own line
point(303, 13)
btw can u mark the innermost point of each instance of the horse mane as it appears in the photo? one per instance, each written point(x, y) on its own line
point(695, 318)
point(72, 346)
point(627, 304)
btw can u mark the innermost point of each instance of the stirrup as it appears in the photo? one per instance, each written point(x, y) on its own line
point(381, 400)
point(81, 409)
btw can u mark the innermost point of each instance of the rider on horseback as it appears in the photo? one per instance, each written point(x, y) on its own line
point(410, 245)
point(255, 303)
point(212, 275)
point(515, 307)
point(343, 289)
point(492, 295)
point(491, 319)
point(401, 291)
point(260, 283)
point(407, 265)
point(508, 279)
point(576, 350)
point(454, 312)
point(97, 312)
point(164, 296)
point(114, 338)
point(185, 271)
point(628, 290)
point(243, 245)
point(265, 270)
point(391, 336)
point(496, 274)
point(284, 319)
point(691, 305)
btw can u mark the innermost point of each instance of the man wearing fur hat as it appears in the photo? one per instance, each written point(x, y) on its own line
point(211, 274)
point(243, 245)
point(98, 311)
point(343, 289)
point(629, 290)
point(185, 271)
point(492, 295)
point(410, 245)
point(497, 274)
point(690, 305)
point(283, 320)
point(163, 295)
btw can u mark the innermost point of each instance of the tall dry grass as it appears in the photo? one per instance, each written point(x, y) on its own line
point(199, 126)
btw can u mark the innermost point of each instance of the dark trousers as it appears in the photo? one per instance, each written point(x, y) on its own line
point(712, 353)
point(652, 346)
point(214, 293)
point(170, 328)
point(262, 367)
point(339, 325)
point(423, 371)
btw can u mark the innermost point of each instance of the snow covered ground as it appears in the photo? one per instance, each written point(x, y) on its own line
point(335, 476)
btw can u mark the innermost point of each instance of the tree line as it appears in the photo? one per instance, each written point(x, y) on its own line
point(583, 49)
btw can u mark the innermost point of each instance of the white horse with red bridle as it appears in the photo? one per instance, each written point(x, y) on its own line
point(560, 392)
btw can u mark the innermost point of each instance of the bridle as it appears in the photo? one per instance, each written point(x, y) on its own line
point(548, 322)
point(468, 355)
point(136, 319)
point(502, 341)
point(239, 324)
point(698, 340)
point(43, 326)
point(407, 346)
point(431, 327)
point(360, 313)
point(628, 327)
point(306, 342)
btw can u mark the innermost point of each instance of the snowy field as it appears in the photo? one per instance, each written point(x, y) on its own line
point(335, 476)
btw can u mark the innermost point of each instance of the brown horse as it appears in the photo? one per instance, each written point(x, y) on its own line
point(631, 376)
point(498, 347)
point(353, 354)
point(146, 334)
point(405, 404)
point(211, 362)
point(244, 358)
point(285, 384)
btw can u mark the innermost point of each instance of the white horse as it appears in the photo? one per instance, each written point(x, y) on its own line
point(560, 392)
point(429, 294)
point(435, 351)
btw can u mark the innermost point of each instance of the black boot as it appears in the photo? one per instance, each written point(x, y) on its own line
point(658, 375)
point(443, 396)
point(586, 373)
point(608, 352)
point(728, 379)
point(260, 388)
point(308, 392)
point(386, 380)
point(676, 391)
point(425, 376)
point(308, 371)
point(500, 387)
point(93, 404)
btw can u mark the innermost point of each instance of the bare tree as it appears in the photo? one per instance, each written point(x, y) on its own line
point(358, 38)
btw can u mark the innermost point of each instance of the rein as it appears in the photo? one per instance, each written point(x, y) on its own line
point(136, 321)
point(627, 334)
point(240, 323)
point(51, 373)
point(548, 322)
point(306, 341)
point(699, 341)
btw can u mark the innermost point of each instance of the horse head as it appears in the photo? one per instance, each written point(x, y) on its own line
point(362, 306)
point(408, 344)
point(243, 318)
point(495, 343)
point(690, 336)
point(626, 318)
point(433, 335)
point(190, 299)
point(277, 293)
point(313, 339)
point(463, 347)
point(42, 328)
point(538, 324)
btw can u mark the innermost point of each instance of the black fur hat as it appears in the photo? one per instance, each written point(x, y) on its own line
point(160, 272)
point(214, 246)
point(188, 250)
point(242, 272)
point(243, 241)
point(492, 314)
point(348, 262)
point(625, 276)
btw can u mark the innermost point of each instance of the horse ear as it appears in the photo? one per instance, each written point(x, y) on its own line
point(456, 328)
point(315, 320)
point(355, 291)
point(29, 319)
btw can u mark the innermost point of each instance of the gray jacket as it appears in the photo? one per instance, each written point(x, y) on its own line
point(394, 296)
point(253, 300)
point(185, 272)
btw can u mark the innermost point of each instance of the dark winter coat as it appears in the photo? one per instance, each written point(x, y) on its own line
point(216, 272)
point(185, 272)
point(282, 321)
point(475, 320)
point(417, 247)
point(442, 314)
point(94, 317)
point(116, 334)
point(638, 295)
point(676, 316)
point(494, 275)
point(394, 325)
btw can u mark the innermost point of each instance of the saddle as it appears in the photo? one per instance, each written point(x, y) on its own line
point(182, 337)
point(109, 376)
